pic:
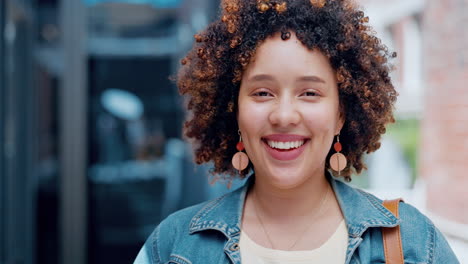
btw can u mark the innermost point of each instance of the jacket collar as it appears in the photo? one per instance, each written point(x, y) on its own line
point(224, 213)
point(361, 210)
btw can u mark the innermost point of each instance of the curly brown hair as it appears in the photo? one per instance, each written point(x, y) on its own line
point(212, 71)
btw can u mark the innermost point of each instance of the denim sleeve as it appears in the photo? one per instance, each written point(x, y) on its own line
point(442, 253)
point(149, 253)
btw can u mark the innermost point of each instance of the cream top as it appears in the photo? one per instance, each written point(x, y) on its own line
point(333, 251)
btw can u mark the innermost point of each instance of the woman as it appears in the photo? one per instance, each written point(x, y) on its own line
point(290, 91)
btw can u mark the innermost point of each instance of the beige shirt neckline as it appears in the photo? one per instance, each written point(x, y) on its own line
point(335, 248)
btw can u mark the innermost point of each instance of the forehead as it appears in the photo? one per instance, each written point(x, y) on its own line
point(288, 58)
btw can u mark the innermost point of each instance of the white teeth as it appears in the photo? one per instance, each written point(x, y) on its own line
point(285, 145)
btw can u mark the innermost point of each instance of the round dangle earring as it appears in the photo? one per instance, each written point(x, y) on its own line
point(338, 160)
point(240, 160)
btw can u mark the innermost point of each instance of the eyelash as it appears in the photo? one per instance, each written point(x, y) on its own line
point(266, 93)
point(310, 92)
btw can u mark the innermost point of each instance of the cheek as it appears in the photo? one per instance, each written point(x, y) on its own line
point(251, 117)
point(322, 121)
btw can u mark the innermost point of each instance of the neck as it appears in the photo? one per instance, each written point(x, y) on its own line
point(290, 203)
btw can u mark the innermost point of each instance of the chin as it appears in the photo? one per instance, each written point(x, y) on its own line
point(287, 178)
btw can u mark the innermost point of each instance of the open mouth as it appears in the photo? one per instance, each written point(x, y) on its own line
point(284, 146)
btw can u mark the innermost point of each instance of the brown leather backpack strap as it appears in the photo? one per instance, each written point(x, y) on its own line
point(392, 237)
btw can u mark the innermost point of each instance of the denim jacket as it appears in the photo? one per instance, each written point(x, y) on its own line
point(209, 232)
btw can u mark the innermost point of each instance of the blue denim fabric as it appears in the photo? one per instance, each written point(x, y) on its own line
point(209, 232)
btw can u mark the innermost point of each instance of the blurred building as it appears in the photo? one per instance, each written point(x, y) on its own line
point(399, 24)
point(91, 156)
point(444, 150)
point(431, 40)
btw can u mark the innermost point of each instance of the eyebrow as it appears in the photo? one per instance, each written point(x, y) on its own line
point(267, 77)
point(311, 78)
point(261, 77)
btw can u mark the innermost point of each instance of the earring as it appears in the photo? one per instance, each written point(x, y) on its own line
point(240, 160)
point(338, 160)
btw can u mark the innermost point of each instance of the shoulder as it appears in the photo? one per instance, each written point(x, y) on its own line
point(175, 232)
point(410, 218)
point(418, 232)
point(158, 245)
point(422, 241)
point(358, 198)
point(180, 221)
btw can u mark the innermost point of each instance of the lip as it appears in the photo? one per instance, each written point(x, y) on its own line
point(284, 155)
point(284, 137)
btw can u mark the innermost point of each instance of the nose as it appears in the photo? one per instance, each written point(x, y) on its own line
point(285, 113)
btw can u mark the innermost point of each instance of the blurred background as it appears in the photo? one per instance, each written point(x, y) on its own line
point(91, 151)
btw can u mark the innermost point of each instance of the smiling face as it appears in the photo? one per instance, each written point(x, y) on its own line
point(288, 111)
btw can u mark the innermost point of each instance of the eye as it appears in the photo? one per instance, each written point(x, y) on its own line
point(309, 93)
point(262, 94)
